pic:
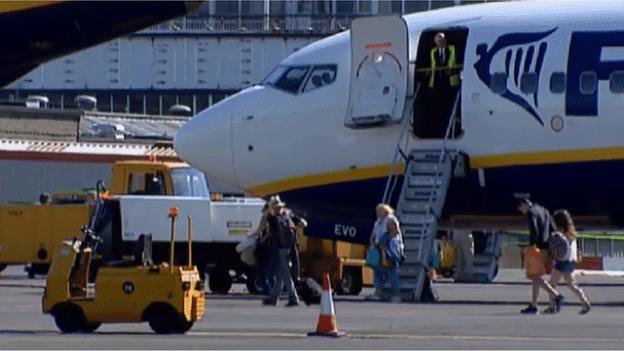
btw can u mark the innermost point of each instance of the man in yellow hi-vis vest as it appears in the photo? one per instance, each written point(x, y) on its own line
point(443, 84)
point(443, 64)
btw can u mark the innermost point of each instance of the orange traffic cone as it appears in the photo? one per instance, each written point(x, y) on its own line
point(326, 325)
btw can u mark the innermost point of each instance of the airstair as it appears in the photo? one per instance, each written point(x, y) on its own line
point(419, 209)
point(485, 263)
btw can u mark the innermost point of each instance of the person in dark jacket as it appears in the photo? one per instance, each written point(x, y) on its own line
point(282, 229)
point(540, 226)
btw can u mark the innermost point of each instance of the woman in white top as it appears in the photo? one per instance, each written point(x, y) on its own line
point(386, 228)
point(565, 267)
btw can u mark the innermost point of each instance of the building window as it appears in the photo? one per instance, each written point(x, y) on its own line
point(528, 83)
point(152, 103)
point(346, 7)
point(416, 6)
point(277, 7)
point(616, 82)
point(365, 7)
point(498, 84)
point(252, 7)
point(226, 8)
point(438, 4)
point(304, 7)
point(589, 82)
point(557, 82)
point(323, 7)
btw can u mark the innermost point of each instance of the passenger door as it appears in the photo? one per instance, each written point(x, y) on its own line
point(379, 72)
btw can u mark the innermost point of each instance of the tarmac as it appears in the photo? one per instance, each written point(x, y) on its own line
point(468, 316)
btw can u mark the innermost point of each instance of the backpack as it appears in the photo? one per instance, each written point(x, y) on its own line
point(558, 246)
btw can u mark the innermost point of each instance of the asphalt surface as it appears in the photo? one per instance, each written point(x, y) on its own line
point(468, 316)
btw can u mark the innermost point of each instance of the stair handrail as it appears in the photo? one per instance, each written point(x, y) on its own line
point(393, 173)
point(398, 151)
point(443, 151)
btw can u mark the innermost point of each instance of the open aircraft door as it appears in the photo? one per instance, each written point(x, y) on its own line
point(379, 71)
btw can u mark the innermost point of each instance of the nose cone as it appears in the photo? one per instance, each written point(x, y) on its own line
point(205, 142)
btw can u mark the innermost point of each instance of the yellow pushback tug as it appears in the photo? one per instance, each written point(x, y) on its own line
point(170, 298)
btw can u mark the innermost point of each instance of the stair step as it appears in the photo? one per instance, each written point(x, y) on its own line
point(415, 206)
point(416, 194)
point(422, 167)
point(425, 156)
point(424, 181)
point(417, 218)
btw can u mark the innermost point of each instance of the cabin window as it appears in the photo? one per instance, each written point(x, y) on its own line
point(528, 83)
point(292, 79)
point(557, 83)
point(498, 84)
point(321, 76)
point(589, 82)
point(616, 82)
point(146, 184)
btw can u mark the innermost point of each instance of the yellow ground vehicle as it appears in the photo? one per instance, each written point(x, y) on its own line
point(29, 234)
point(170, 298)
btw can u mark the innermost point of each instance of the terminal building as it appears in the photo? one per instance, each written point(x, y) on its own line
point(199, 59)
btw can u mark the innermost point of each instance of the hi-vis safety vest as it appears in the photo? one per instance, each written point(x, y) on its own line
point(451, 64)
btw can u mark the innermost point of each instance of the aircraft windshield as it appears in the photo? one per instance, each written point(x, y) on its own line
point(189, 182)
point(287, 78)
point(275, 74)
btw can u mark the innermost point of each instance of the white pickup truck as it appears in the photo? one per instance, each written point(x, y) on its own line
point(218, 226)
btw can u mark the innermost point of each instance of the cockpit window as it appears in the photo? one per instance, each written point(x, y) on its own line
point(274, 76)
point(320, 77)
point(293, 78)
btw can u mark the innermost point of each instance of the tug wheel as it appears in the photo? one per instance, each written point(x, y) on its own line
point(90, 327)
point(164, 319)
point(69, 318)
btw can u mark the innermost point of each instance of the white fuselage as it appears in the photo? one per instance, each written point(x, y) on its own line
point(267, 140)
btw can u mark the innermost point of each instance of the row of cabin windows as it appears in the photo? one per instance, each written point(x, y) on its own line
point(529, 83)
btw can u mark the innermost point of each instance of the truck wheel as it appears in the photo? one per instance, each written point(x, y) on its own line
point(219, 281)
point(69, 318)
point(351, 282)
point(252, 283)
point(90, 327)
point(201, 269)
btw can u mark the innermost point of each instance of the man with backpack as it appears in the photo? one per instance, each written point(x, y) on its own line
point(282, 230)
point(540, 226)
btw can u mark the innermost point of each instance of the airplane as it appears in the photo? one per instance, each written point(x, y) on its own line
point(538, 114)
point(34, 32)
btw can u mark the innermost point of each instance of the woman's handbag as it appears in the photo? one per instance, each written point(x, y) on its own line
point(372, 257)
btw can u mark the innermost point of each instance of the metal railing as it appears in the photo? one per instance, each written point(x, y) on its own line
point(393, 175)
point(443, 151)
point(311, 24)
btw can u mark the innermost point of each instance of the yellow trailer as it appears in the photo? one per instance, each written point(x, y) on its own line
point(32, 233)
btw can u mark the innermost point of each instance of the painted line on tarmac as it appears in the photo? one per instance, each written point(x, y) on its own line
point(409, 337)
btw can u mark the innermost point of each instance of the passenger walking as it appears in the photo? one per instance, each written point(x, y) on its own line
point(565, 266)
point(540, 226)
point(386, 238)
point(266, 253)
point(282, 228)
